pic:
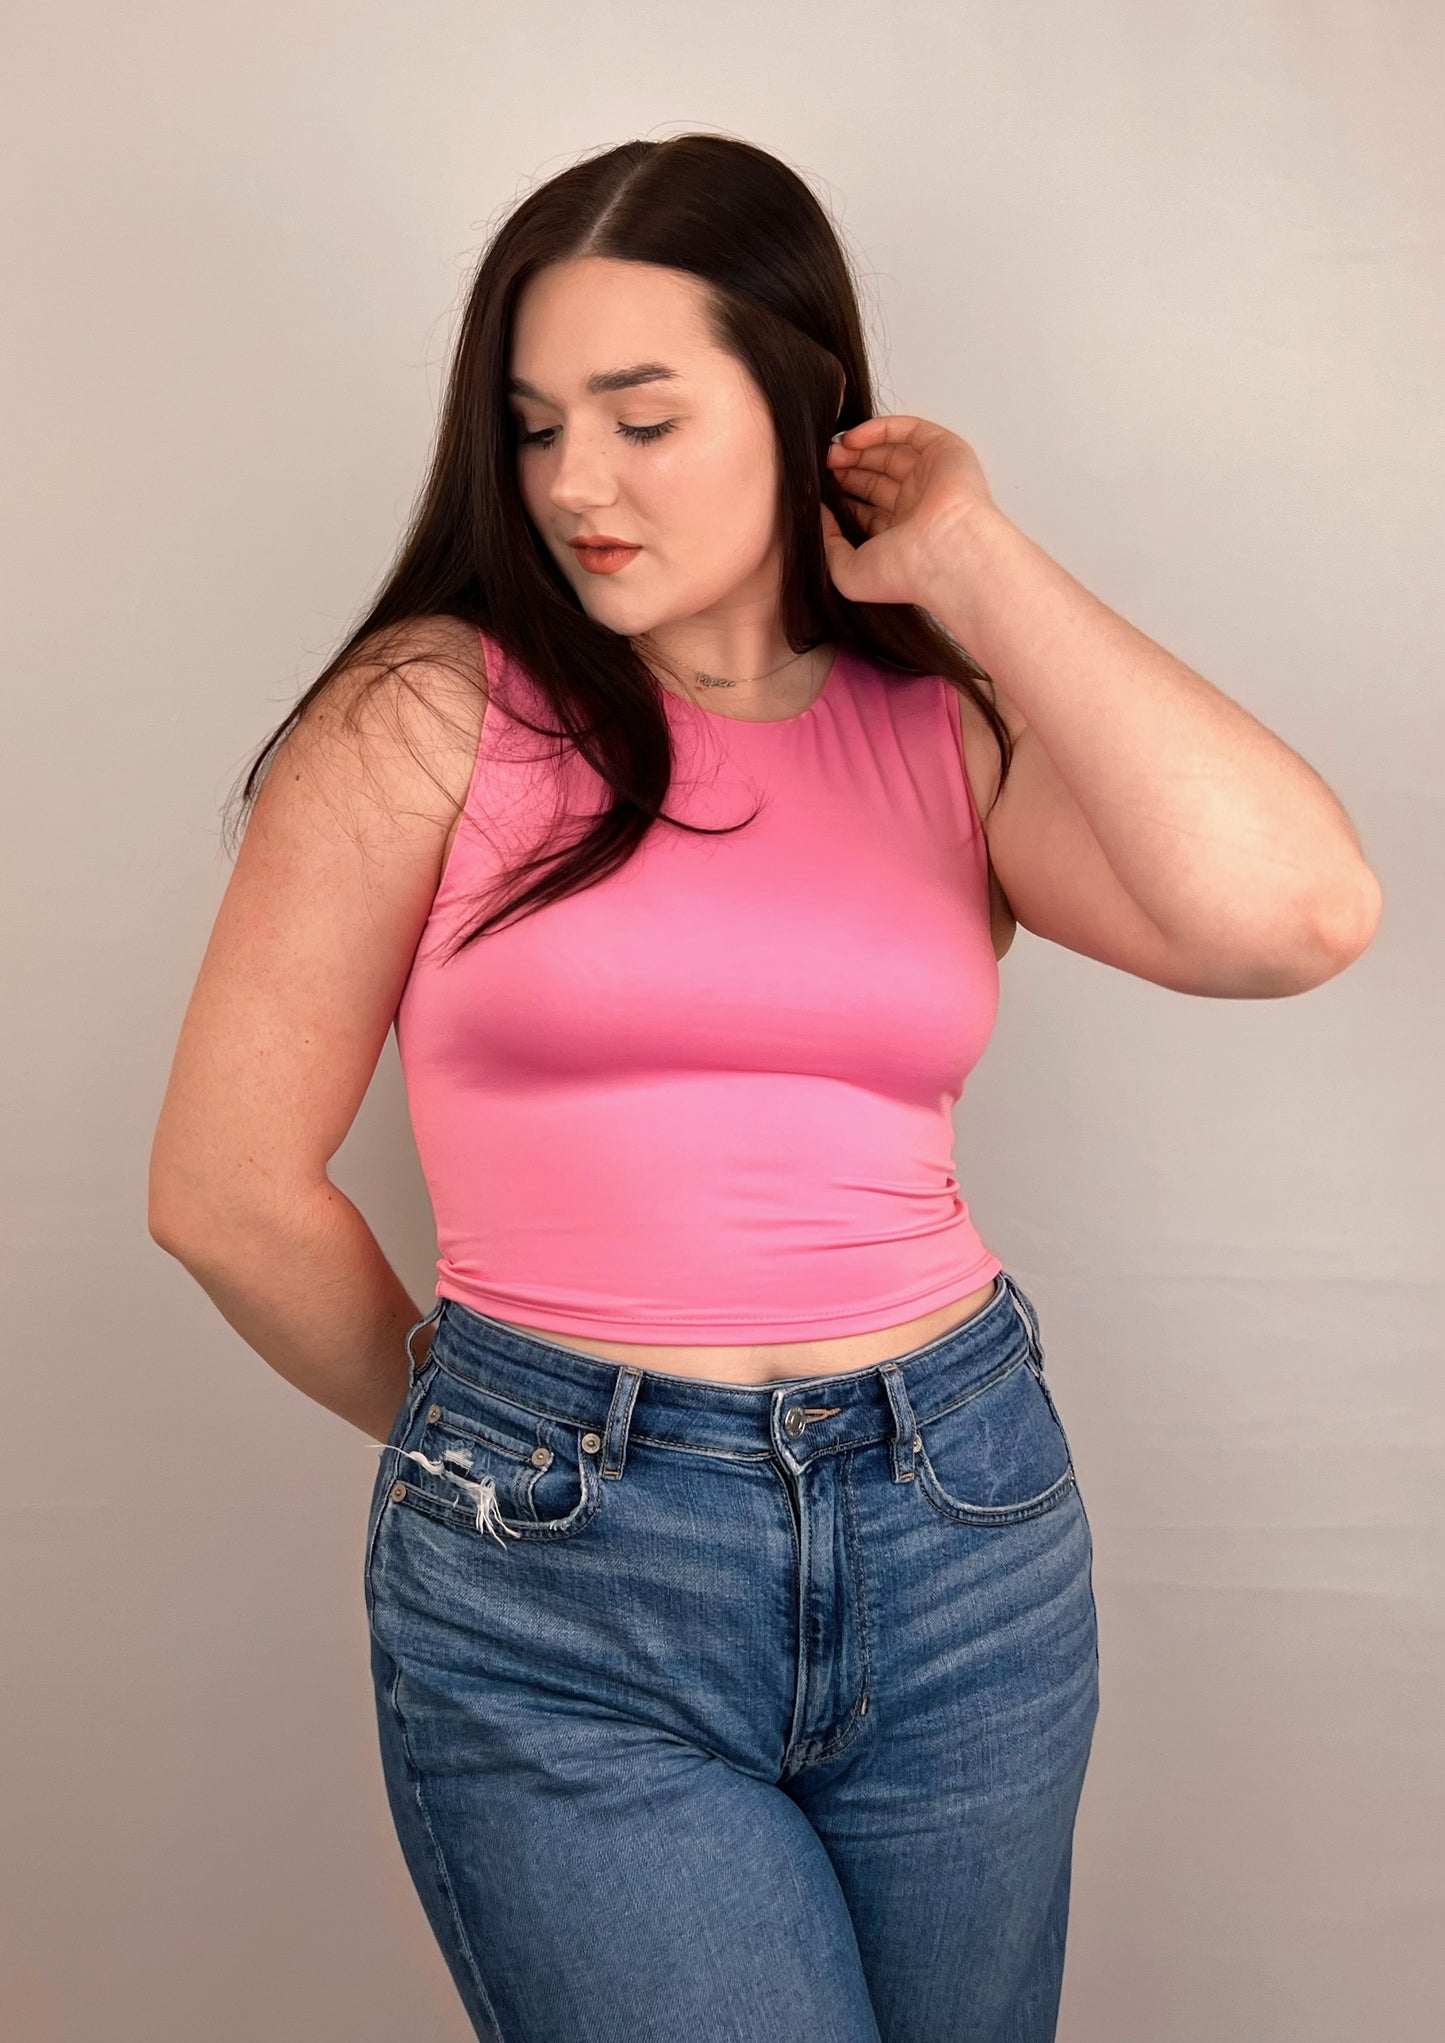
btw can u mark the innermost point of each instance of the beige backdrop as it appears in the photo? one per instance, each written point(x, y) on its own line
point(1177, 275)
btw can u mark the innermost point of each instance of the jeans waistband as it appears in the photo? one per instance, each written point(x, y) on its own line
point(798, 1416)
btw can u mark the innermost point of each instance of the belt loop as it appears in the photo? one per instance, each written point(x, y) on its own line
point(412, 1369)
point(1029, 1320)
point(619, 1420)
point(905, 1441)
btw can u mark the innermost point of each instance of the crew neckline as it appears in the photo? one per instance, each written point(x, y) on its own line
point(766, 723)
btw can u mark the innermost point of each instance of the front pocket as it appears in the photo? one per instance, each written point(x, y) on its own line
point(998, 1456)
point(487, 1466)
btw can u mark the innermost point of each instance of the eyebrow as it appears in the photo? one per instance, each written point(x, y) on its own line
point(604, 379)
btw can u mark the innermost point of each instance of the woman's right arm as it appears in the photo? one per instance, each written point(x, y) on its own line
point(298, 988)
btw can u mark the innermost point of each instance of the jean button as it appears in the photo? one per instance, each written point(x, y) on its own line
point(591, 1443)
point(793, 1421)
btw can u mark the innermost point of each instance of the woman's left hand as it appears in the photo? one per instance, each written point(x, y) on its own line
point(909, 483)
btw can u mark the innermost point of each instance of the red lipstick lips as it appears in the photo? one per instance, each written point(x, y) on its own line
point(601, 554)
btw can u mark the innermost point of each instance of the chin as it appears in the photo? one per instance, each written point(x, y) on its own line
point(611, 605)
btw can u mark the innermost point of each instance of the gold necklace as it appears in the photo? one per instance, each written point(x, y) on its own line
point(720, 681)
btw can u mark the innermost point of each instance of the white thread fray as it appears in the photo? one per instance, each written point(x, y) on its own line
point(489, 1517)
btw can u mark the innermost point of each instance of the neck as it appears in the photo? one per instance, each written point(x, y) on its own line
point(780, 695)
point(786, 678)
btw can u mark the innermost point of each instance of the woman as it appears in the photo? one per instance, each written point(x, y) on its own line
point(729, 1582)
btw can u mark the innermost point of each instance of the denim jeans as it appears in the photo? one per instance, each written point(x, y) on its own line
point(734, 1713)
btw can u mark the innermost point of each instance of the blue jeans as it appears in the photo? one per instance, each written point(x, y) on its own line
point(734, 1713)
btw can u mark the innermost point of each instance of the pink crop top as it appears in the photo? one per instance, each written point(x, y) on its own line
point(708, 1100)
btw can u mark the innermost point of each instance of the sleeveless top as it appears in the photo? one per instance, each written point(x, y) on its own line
point(708, 1099)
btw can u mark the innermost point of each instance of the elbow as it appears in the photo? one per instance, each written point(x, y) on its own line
point(167, 1228)
point(209, 1220)
point(161, 1212)
point(170, 1204)
point(1312, 947)
point(183, 1209)
point(1351, 917)
point(1344, 926)
point(165, 1237)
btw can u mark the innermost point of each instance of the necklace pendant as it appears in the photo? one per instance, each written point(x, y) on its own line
point(715, 681)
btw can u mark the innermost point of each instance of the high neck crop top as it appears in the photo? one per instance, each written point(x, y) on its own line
point(709, 1099)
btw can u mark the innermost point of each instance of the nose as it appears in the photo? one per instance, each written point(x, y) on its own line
point(580, 479)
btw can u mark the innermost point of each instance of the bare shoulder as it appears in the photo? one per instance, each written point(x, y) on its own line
point(415, 696)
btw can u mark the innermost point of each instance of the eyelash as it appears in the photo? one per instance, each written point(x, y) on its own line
point(632, 433)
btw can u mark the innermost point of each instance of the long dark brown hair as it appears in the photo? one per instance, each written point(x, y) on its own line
point(780, 297)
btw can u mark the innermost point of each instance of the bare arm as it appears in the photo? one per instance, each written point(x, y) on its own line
point(291, 1009)
point(309, 1288)
point(1148, 820)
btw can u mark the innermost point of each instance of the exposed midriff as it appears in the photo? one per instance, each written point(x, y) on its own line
point(770, 1362)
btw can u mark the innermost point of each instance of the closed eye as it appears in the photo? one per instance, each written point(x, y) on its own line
point(542, 438)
